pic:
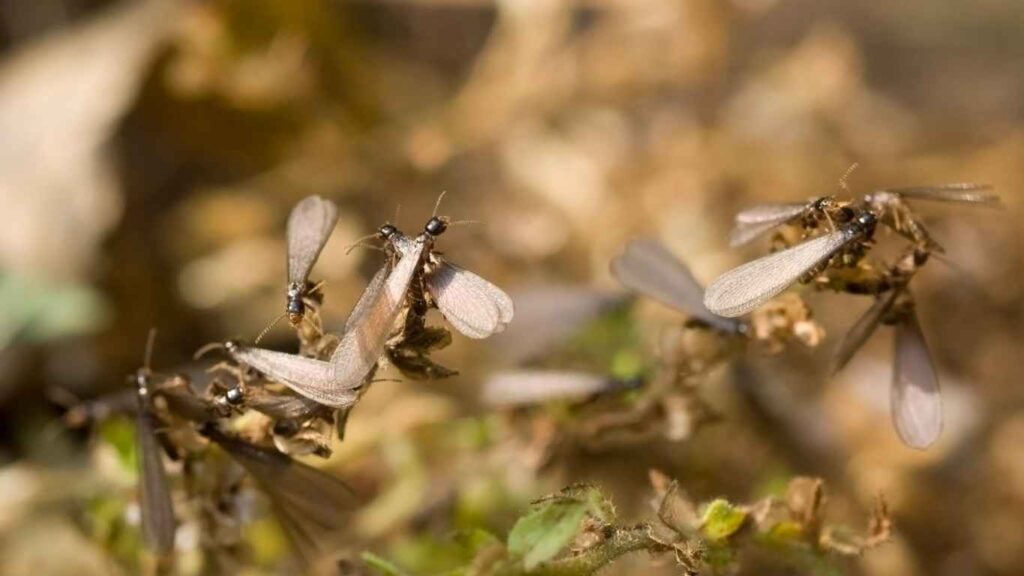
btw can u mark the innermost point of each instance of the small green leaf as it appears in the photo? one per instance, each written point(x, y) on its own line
point(546, 530)
point(722, 519)
point(380, 565)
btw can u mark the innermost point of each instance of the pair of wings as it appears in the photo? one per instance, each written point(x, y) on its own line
point(312, 506)
point(647, 267)
point(473, 305)
point(915, 397)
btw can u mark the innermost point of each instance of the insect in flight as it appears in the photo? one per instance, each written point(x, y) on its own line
point(309, 227)
point(474, 306)
point(312, 506)
point(745, 288)
point(647, 267)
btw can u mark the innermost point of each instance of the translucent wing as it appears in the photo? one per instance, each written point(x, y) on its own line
point(526, 387)
point(309, 226)
point(155, 504)
point(313, 506)
point(362, 345)
point(647, 267)
point(861, 331)
point(962, 192)
point(916, 402)
point(280, 405)
point(314, 379)
point(771, 213)
point(474, 306)
point(756, 221)
point(745, 288)
point(368, 297)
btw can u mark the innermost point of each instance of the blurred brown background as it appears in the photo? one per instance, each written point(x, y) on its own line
point(150, 152)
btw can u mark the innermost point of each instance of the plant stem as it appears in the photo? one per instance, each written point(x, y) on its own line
point(623, 541)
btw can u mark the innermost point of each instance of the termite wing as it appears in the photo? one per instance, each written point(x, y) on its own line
point(915, 401)
point(309, 227)
point(474, 306)
point(529, 387)
point(743, 289)
point(155, 504)
point(312, 506)
point(759, 220)
point(647, 267)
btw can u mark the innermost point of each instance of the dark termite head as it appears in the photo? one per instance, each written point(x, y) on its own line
point(844, 214)
point(295, 308)
point(865, 223)
point(387, 231)
point(822, 204)
point(234, 396)
point(436, 226)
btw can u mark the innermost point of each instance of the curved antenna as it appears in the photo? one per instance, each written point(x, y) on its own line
point(438, 203)
point(398, 212)
point(846, 176)
point(206, 348)
point(272, 324)
point(150, 343)
point(359, 243)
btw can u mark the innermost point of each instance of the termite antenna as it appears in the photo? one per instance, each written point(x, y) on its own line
point(359, 243)
point(846, 176)
point(398, 212)
point(150, 343)
point(438, 203)
point(267, 329)
point(206, 348)
point(463, 222)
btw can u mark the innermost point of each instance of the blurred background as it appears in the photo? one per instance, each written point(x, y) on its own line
point(151, 151)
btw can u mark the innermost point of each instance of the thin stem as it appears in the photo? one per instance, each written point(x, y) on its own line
point(622, 542)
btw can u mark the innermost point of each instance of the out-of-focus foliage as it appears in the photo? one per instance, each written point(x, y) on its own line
point(152, 149)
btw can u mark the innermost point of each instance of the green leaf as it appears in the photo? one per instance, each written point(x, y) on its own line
point(546, 530)
point(380, 565)
point(721, 519)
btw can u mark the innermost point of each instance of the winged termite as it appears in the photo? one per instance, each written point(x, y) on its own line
point(309, 226)
point(530, 387)
point(155, 505)
point(647, 267)
point(312, 506)
point(745, 288)
point(891, 206)
point(758, 220)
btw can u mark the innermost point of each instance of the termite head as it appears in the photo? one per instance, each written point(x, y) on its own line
point(866, 222)
point(295, 308)
point(386, 231)
point(234, 396)
point(436, 226)
point(822, 204)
